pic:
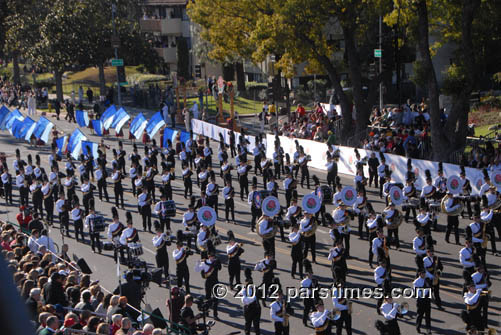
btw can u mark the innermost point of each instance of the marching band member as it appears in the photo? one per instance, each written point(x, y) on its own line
point(391, 215)
point(167, 177)
point(188, 184)
point(419, 247)
point(144, 205)
point(332, 170)
point(481, 279)
point(209, 269)
point(308, 283)
point(222, 155)
point(387, 186)
point(37, 197)
point(465, 191)
point(257, 160)
point(360, 181)
point(373, 164)
point(382, 278)
point(161, 211)
point(90, 224)
point(289, 187)
point(226, 170)
point(425, 222)
point(473, 315)
point(338, 195)
point(266, 169)
point(422, 286)
point(265, 227)
point(293, 212)
point(207, 153)
point(451, 205)
point(134, 173)
point(477, 232)
point(266, 266)
point(373, 223)
point(7, 186)
point(338, 259)
point(69, 184)
point(278, 159)
point(180, 254)
point(390, 312)
point(305, 226)
point(62, 208)
point(161, 241)
point(48, 200)
point(87, 191)
point(101, 176)
point(340, 302)
point(190, 225)
point(76, 216)
point(272, 186)
point(149, 181)
point(229, 203)
point(320, 319)
point(212, 191)
point(278, 313)
point(116, 176)
point(234, 250)
point(203, 176)
point(129, 234)
point(381, 172)
point(434, 268)
point(493, 196)
point(252, 309)
point(360, 208)
point(303, 164)
point(440, 182)
point(204, 241)
point(318, 192)
point(409, 193)
point(467, 259)
point(340, 216)
point(242, 170)
point(488, 217)
point(115, 230)
point(255, 203)
point(296, 251)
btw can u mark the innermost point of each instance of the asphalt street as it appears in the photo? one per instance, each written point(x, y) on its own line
point(230, 309)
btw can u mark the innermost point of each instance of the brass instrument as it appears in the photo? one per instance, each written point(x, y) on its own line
point(396, 220)
point(334, 315)
point(490, 331)
point(403, 308)
point(485, 238)
point(436, 272)
point(496, 206)
point(350, 307)
point(346, 219)
point(313, 229)
point(269, 235)
point(240, 245)
point(284, 314)
point(456, 201)
point(486, 293)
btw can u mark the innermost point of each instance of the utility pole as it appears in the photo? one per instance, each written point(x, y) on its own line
point(381, 62)
point(116, 44)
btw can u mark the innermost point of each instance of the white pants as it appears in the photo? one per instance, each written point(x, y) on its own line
point(31, 110)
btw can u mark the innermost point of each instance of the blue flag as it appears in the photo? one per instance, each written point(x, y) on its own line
point(185, 136)
point(108, 116)
point(16, 126)
point(26, 129)
point(167, 136)
point(87, 145)
point(82, 118)
point(75, 143)
point(4, 111)
point(119, 120)
point(155, 123)
point(98, 127)
point(61, 142)
point(137, 126)
point(42, 129)
point(9, 120)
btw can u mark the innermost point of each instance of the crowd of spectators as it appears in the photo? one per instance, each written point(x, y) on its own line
point(59, 298)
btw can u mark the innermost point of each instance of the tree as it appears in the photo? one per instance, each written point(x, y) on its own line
point(296, 31)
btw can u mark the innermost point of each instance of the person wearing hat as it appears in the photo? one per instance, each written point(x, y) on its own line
point(419, 246)
point(381, 172)
point(76, 216)
point(382, 278)
point(252, 309)
point(332, 168)
point(295, 238)
point(234, 250)
point(91, 225)
point(149, 183)
point(422, 286)
point(229, 203)
point(373, 223)
point(212, 191)
point(180, 254)
point(340, 302)
point(476, 232)
point(320, 194)
point(48, 200)
point(389, 310)
point(266, 266)
point(303, 165)
point(69, 184)
point(434, 268)
point(37, 197)
point(387, 186)
point(190, 223)
point(116, 176)
point(7, 185)
point(391, 216)
point(361, 207)
point(340, 215)
point(207, 154)
point(466, 190)
point(320, 319)
point(337, 255)
point(134, 174)
point(451, 205)
point(278, 159)
point(188, 185)
point(88, 193)
point(482, 281)
point(144, 205)
point(266, 169)
point(102, 188)
point(289, 186)
point(243, 180)
point(467, 259)
point(308, 285)
point(373, 163)
point(474, 300)
point(255, 202)
point(115, 230)
point(492, 220)
point(279, 313)
point(209, 269)
point(161, 209)
point(160, 241)
point(305, 226)
point(62, 208)
point(167, 177)
point(203, 176)
point(409, 194)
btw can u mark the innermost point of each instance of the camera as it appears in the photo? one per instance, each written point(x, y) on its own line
point(139, 271)
point(203, 304)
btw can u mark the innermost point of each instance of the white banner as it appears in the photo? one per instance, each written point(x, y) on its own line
point(212, 131)
point(346, 163)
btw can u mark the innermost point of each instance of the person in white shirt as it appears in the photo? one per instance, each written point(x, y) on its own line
point(474, 312)
point(422, 287)
point(48, 243)
point(475, 232)
point(160, 241)
point(296, 251)
point(252, 309)
point(32, 240)
point(278, 311)
point(76, 216)
point(91, 225)
point(389, 310)
point(320, 319)
point(182, 272)
point(340, 302)
point(144, 205)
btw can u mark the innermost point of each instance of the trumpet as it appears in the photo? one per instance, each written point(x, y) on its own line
point(403, 308)
point(335, 314)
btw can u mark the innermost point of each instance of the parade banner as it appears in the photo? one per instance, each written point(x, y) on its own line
point(75, 143)
point(156, 122)
point(98, 127)
point(119, 120)
point(137, 126)
point(60, 143)
point(9, 120)
point(26, 129)
point(82, 118)
point(4, 111)
point(346, 163)
point(43, 129)
point(108, 116)
point(90, 146)
point(212, 131)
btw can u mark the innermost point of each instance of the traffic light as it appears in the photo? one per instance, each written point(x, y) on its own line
point(269, 91)
point(198, 71)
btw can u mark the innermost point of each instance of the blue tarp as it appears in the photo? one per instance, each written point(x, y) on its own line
point(82, 118)
point(119, 120)
point(137, 126)
point(75, 143)
point(108, 116)
point(60, 142)
point(42, 129)
point(98, 127)
point(154, 125)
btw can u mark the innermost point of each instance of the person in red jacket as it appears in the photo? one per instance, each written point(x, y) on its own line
point(23, 217)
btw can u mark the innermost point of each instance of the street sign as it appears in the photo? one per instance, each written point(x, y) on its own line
point(115, 41)
point(378, 53)
point(220, 84)
point(117, 62)
point(124, 83)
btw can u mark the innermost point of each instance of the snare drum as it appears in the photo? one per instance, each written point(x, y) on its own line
point(108, 246)
point(99, 225)
point(434, 206)
point(170, 208)
point(136, 249)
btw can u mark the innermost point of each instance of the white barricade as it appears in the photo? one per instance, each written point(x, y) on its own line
point(212, 131)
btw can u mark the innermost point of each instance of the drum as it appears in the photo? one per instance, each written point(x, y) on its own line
point(136, 249)
point(171, 208)
point(108, 246)
point(434, 206)
point(99, 225)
